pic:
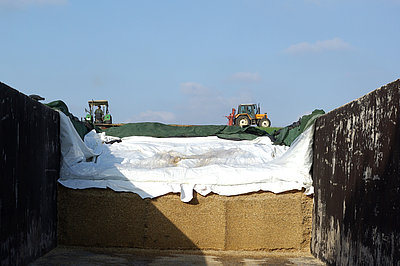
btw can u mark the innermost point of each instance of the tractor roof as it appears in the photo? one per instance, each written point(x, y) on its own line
point(247, 104)
point(98, 102)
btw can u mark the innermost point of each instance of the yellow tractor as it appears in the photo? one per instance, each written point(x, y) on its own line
point(249, 114)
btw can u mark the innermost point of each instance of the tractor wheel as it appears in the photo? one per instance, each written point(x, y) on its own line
point(264, 122)
point(243, 121)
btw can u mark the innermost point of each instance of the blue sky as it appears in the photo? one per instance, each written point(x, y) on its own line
point(190, 62)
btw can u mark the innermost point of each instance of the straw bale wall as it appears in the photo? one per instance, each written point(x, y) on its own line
point(256, 221)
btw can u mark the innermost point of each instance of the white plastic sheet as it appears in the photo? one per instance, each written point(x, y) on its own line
point(152, 167)
point(73, 149)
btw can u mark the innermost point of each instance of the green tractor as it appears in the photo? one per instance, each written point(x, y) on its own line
point(98, 112)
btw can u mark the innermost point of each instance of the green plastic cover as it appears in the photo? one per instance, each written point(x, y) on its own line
point(160, 130)
point(284, 136)
point(81, 127)
point(287, 135)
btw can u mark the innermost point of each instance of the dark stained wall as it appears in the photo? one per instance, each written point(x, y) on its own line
point(29, 168)
point(356, 173)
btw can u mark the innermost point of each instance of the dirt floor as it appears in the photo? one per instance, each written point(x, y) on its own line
point(85, 256)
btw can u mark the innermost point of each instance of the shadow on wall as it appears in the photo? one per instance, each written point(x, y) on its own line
point(104, 218)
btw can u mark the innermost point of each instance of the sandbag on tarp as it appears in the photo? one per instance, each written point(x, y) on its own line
point(160, 130)
point(287, 135)
point(81, 127)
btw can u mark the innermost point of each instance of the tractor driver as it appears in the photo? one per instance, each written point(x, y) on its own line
point(249, 109)
point(98, 115)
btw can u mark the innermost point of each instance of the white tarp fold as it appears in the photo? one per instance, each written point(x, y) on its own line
point(152, 167)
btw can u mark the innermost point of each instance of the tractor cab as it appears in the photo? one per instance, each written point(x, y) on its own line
point(250, 109)
point(98, 112)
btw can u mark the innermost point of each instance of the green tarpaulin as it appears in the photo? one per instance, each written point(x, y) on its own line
point(284, 136)
point(287, 135)
point(165, 131)
point(81, 127)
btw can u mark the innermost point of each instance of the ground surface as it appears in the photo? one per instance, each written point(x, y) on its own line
point(63, 255)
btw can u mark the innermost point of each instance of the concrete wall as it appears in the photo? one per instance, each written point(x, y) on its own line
point(256, 221)
point(29, 167)
point(356, 173)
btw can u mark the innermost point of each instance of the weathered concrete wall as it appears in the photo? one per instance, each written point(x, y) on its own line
point(356, 173)
point(29, 167)
point(256, 221)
